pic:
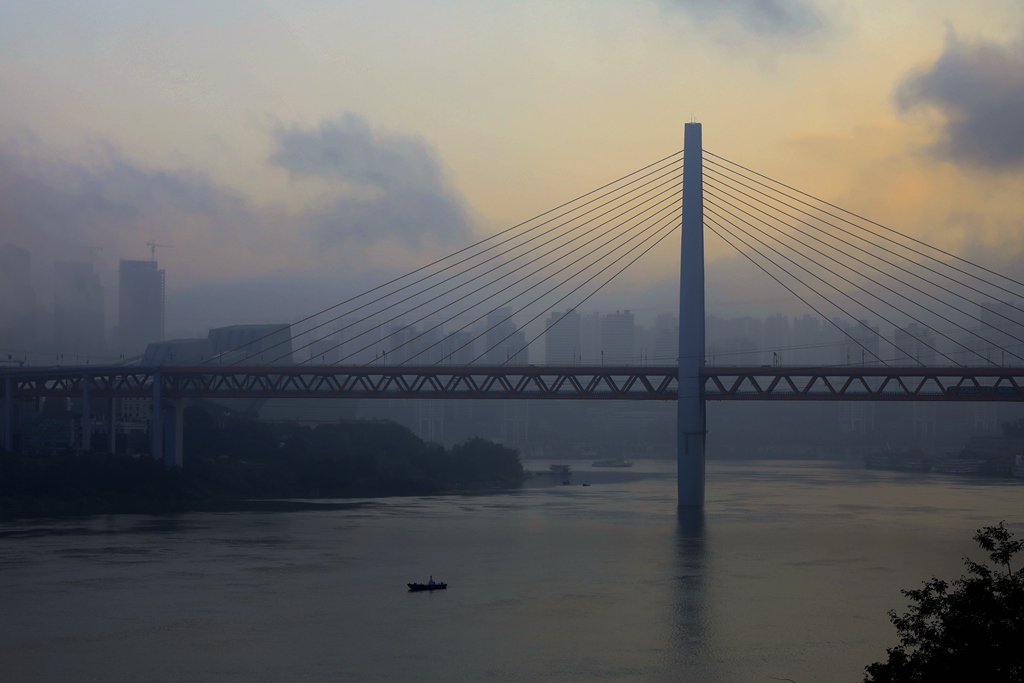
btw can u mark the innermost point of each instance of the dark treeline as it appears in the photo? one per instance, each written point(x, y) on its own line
point(230, 459)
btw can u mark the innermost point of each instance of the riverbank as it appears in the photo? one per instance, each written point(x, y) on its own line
point(237, 463)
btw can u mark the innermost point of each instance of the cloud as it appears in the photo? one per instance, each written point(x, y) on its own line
point(764, 18)
point(979, 89)
point(59, 209)
point(409, 197)
point(400, 213)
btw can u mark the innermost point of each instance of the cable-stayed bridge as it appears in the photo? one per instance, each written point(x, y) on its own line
point(446, 330)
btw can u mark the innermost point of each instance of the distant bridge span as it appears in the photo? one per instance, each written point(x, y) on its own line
point(608, 383)
point(691, 383)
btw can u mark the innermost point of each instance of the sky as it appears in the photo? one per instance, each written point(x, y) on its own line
point(291, 153)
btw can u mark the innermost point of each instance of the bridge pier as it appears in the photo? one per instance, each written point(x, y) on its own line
point(173, 431)
point(691, 425)
point(112, 426)
point(158, 422)
point(86, 417)
point(8, 416)
point(168, 427)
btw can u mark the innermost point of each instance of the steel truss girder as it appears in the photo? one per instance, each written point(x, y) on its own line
point(433, 382)
point(863, 384)
point(630, 383)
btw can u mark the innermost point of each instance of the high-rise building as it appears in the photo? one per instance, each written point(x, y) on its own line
point(914, 344)
point(514, 349)
point(18, 302)
point(860, 343)
point(400, 344)
point(140, 309)
point(78, 309)
point(362, 342)
point(811, 342)
point(326, 351)
point(617, 338)
point(562, 338)
point(458, 349)
point(500, 332)
point(776, 337)
point(252, 344)
point(1003, 332)
point(733, 341)
point(666, 340)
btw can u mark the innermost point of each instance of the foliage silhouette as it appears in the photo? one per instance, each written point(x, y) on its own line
point(969, 630)
point(230, 459)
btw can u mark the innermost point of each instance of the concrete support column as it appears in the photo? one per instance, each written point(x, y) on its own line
point(86, 421)
point(8, 415)
point(173, 432)
point(158, 426)
point(112, 426)
point(691, 422)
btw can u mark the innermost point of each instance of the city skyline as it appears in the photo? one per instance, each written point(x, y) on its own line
point(304, 194)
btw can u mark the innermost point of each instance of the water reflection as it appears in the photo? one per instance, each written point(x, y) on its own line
point(691, 634)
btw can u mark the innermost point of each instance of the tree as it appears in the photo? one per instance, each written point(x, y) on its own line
point(969, 630)
point(1013, 429)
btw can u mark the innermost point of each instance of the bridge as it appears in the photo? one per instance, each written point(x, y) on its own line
point(742, 208)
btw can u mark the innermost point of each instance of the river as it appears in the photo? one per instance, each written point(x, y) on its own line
point(788, 574)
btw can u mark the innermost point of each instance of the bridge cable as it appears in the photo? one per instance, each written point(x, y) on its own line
point(650, 203)
point(474, 245)
point(873, 281)
point(584, 300)
point(861, 288)
point(789, 289)
point(508, 301)
point(672, 194)
point(885, 249)
point(868, 220)
point(726, 183)
point(672, 173)
point(672, 226)
point(846, 294)
point(483, 333)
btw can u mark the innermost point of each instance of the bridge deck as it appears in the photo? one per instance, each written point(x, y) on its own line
point(631, 383)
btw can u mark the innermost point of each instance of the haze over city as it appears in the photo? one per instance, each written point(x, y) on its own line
point(629, 340)
point(293, 154)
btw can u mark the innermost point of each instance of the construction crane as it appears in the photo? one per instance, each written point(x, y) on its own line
point(152, 249)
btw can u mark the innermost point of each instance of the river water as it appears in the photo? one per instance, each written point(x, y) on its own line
point(789, 574)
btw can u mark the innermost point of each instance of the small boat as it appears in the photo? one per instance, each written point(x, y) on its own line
point(428, 586)
point(612, 462)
